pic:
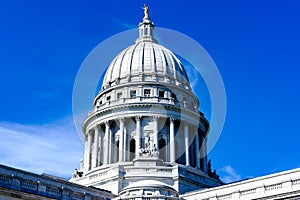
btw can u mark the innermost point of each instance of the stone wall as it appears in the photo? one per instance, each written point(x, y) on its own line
point(18, 184)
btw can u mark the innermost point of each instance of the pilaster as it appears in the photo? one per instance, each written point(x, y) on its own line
point(121, 142)
point(106, 143)
point(186, 142)
point(138, 135)
point(172, 141)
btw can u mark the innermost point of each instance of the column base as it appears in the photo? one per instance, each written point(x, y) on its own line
point(147, 161)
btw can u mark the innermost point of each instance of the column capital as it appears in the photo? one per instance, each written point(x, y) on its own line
point(155, 117)
point(121, 119)
point(107, 123)
point(138, 117)
point(87, 132)
point(186, 123)
point(172, 119)
point(96, 128)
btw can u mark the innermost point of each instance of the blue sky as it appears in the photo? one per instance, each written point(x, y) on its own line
point(255, 45)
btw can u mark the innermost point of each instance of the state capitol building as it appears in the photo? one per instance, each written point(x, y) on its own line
point(145, 138)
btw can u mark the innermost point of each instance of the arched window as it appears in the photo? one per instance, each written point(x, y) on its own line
point(132, 149)
point(162, 149)
point(177, 152)
point(192, 154)
point(117, 151)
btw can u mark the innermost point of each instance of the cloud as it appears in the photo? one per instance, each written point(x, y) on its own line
point(228, 174)
point(124, 24)
point(53, 148)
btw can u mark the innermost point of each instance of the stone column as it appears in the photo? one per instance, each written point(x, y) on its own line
point(106, 143)
point(197, 150)
point(125, 146)
point(86, 153)
point(172, 141)
point(100, 151)
point(110, 147)
point(89, 151)
point(155, 131)
point(95, 148)
point(205, 154)
point(186, 140)
point(121, 141)
point(138, 136)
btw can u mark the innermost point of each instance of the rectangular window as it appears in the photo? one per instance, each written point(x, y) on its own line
point(173, 96)
point(119, 95)
point(147, 93)
point(132, 93)
point(161, 93)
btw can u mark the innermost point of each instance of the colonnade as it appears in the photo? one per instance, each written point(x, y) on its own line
point(103, 146)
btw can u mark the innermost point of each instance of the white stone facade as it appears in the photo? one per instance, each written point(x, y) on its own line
point(284, 185)
point(146, 123)
point(19, 184)
point(146, 139)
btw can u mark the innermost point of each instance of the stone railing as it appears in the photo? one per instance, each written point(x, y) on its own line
point(26, 183)
point(29, 185)
point(286, 185)
point(6, 180)
point(266, 190)
point(140, 99)
point(145, 170)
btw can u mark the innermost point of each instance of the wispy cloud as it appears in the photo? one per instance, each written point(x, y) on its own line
point(228, 174)
point(124, 24)
point(51, 148)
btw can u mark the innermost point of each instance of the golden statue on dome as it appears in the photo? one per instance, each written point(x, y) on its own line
point(146, 11)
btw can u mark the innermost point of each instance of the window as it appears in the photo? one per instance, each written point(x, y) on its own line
point(119, 95)
point(100, 102)
point(147, 92)
point(173, 96)
point(132, 149)
point(132, 93)
point(161, 93)
point(117, 150)
point(108, 98)
point(162, 149)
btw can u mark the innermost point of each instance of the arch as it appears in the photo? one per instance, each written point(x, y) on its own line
point(192, 154)
point(117, 150)
point(162, 149)
point(132, 149)
point(177, 152)
point(180, 154)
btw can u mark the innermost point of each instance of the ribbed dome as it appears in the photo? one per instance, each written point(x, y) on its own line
point(146, 61)
point(145, 58)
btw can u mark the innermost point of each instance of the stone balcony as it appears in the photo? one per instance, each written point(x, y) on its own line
point(283, 185)
point(144, 100)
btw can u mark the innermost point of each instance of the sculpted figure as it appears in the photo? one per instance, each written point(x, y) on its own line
point(146, 11)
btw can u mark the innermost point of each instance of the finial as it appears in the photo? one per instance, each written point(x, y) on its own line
point(146, 11)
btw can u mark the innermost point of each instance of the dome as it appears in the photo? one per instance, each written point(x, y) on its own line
point(146, 60)
point(145, 135)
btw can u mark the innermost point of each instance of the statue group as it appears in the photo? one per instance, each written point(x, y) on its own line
point(150, 149)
